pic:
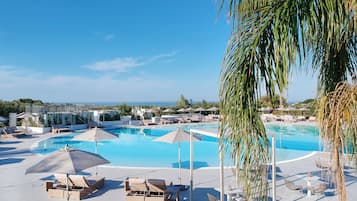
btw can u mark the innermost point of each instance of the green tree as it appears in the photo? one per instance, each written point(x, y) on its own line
point(124, 109)
point(309, 101)
point(273, 101)
point(204, 104)
point(17, 106)
point(282, 78)
point(267, 39)
point(183, 102)
point(29, 101)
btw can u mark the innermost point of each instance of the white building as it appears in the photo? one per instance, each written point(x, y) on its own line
point(142, 113)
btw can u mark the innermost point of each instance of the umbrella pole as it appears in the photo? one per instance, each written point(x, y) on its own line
point(96, 151)
point(191, 167)
point(273, 166)
point(221, 175)
point(179, 161)
point(67, 186)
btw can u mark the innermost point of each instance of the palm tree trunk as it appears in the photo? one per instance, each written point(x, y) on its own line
point(339, 174)
point(281, 99)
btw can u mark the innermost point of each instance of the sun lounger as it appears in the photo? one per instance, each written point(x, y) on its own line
point(83, 186)
point(13, 132)
point(92, 183)
point(158, 191)
point(323, 164)
point(57, 188)
point(148, 123)
point(60, 192)
point(79, 186)
point(292, 186)
point(181, 120)
point(59, 183)
point(59, 129)
point(319, 189)
point(135, 189)
point(62, 180)
point(196, 119)
point(167, 121)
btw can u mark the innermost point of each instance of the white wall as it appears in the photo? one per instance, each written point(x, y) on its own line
point(96, 116)
point(42, 130)
point(12, 119)
point(126, 117)
point(37, 130)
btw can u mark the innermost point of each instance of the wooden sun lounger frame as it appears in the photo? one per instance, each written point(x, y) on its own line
point(292, 186)
point(159, 192)
point(135, 189)
point(318, 189)
point(150, 190)
point(76, 192)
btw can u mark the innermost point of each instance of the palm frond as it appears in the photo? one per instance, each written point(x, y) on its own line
point(332, 35)
point(259, 55)
point(267, 38)
point(338, 127)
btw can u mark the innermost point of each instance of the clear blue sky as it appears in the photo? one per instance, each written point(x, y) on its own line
point(115, 51)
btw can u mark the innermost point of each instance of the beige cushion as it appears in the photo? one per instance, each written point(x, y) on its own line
point(79, 180)
point(138, 185)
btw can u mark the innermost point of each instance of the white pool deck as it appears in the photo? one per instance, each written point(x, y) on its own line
point(16, 157)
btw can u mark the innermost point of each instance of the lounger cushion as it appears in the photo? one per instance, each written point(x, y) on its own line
point(158, 183)
point(137, 185)
point(80, 181)
point(136, 180)
point(92, 181)
point(85, 182)
point(62, 179)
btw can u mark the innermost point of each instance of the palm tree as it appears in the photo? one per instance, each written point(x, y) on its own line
point(269, 38)
point(338, 123)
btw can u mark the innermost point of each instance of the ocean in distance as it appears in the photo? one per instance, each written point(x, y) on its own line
point(160, 104)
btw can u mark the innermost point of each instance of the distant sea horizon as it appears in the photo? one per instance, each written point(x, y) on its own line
point(139, 103)
point(131, 103)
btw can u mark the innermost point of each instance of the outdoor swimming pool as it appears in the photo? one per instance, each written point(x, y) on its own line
point(135, 146)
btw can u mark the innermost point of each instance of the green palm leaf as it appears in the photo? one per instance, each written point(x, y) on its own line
point(268, 37)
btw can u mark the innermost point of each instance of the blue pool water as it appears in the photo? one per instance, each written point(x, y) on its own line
point(135, 147)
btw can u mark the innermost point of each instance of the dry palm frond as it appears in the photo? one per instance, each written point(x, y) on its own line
point(338, 128)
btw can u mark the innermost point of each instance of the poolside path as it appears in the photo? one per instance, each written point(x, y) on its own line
point(16, 157)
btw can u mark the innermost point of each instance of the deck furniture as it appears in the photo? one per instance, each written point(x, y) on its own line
point(318, 189)
point(135, 189)
point(309, 178)
point(62, 180)
point(57, 188)
point(60, 129)
point(150, 190)
point(158, 191)
point(82, 182)
point(292, 186)
point(323, 164)
point(79, 186)
point(13, 132)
